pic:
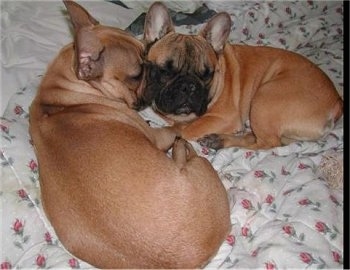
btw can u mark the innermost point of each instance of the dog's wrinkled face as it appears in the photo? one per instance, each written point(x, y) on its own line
point(122, 57)
point(106, 57)
point(180, 69)
point(176, 84)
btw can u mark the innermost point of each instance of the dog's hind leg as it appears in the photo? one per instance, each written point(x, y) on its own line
point(182, 152)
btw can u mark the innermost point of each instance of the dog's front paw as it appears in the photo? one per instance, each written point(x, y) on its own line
point(213, 141)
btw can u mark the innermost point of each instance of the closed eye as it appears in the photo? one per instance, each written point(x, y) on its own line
point(206, 74)
point(165, 72)
point(137, 76)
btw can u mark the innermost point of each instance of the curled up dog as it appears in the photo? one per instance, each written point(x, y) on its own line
point(114, 198)
point(208, 89)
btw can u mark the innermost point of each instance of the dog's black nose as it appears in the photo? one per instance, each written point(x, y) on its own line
point(192, 88)
point(188, 88)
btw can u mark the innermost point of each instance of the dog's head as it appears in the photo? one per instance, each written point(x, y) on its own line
point(107, 58)
point(180, 69)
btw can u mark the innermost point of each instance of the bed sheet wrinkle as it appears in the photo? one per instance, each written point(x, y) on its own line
point(284, 214)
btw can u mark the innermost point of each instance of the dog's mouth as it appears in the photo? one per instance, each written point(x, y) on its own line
point(184, 109)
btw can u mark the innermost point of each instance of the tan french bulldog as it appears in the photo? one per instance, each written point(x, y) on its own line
point(113, 196)
point(208, 89)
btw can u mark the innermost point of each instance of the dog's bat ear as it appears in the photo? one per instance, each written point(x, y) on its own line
point(79, 16)
point(217, 30)
point(157, 23)
point(87, 46)
point(89, 55)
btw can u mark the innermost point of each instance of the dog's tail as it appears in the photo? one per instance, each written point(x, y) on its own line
point(335, 114)
point(337, 111)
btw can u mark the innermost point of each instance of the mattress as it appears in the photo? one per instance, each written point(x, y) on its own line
point(285, 211)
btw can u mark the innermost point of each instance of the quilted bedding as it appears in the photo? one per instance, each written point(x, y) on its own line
point(284, 213)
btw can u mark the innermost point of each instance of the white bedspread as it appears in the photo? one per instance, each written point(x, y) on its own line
point(284, 214)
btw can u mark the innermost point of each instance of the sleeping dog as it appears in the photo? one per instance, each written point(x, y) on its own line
point(114, 198)
point(208, 89)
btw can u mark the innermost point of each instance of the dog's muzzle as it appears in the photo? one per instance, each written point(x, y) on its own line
point(185, 95)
